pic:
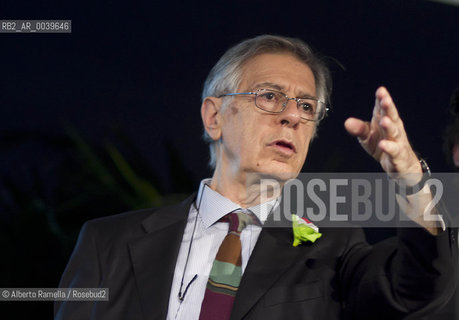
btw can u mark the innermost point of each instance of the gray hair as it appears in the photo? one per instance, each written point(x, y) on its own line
point(226, 75)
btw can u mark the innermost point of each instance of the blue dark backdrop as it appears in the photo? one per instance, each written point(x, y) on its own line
point(141, 67)
point(138, 68)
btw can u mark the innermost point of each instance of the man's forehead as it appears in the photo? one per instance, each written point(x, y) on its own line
point(277, 71)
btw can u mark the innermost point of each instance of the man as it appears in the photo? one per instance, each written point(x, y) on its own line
point(261, 106)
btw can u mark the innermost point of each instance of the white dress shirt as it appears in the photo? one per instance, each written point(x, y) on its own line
point(208, 208)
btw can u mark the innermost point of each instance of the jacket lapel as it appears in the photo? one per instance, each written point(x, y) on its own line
point(154, 256)
point(272, 256)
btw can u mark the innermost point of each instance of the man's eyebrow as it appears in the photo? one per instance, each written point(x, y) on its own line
point(306, 95)
point(275, 86)
point(269, 85)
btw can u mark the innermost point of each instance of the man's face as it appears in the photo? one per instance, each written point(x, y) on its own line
point(254, 140)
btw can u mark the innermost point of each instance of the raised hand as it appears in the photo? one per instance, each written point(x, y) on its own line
point(384, 137)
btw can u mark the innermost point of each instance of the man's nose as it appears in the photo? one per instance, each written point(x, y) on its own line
point(291, 115)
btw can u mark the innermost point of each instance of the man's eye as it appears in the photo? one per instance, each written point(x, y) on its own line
point(268, 96)
point(307, 107)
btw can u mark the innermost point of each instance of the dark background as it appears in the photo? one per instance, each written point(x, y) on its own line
point(106, 119)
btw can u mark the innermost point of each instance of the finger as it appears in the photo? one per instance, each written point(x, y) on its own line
point(390, 129)
point(386, 104)
point(392, 148)
point(376, 109)
point(357, 128)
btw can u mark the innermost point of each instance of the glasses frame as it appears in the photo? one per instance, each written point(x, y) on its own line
point(284, 105)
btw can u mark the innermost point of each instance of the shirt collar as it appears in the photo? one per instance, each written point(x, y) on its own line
point(212, 206)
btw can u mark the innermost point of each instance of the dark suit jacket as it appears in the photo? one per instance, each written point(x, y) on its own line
point(338, 277)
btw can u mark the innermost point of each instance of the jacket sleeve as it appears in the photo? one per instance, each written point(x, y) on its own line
point(412, 274)
point(82, 271)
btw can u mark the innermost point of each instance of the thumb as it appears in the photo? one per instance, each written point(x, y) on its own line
point(357, 128)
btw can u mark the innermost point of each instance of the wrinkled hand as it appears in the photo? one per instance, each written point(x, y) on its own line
point(384, 138)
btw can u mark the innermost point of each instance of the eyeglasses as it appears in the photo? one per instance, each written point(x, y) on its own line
point(311, 109)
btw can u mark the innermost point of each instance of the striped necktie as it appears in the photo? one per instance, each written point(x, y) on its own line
point(226, 272)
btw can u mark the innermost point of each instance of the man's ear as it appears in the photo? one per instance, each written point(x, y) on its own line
point(211, 117)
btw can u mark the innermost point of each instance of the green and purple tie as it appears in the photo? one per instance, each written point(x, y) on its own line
point(226, 272)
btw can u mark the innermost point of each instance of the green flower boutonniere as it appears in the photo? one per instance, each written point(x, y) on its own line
point(304, 231)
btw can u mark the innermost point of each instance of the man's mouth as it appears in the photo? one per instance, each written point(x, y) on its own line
point(283, 146)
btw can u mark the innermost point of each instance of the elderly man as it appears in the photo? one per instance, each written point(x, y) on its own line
point(211, 258)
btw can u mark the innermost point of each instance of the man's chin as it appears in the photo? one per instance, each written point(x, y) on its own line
point(264, 186)
point(281, 173)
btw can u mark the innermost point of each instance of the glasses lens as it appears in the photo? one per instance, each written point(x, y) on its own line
point(275, 101)
point(323, 109)
point(308, 108)
point(269, 100)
